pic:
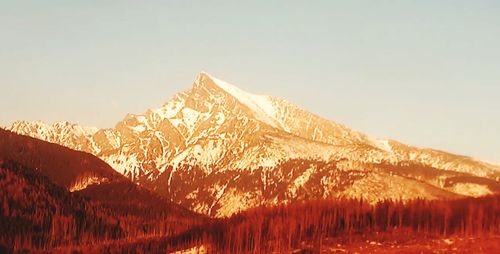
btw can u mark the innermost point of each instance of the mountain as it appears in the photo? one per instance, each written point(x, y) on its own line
point(38, 216)
point(82, 173)
point(54, 197)
point(68, 168)
point(217, 149)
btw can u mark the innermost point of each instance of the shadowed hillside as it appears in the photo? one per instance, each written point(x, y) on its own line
point(69, 168)
point(40, 210)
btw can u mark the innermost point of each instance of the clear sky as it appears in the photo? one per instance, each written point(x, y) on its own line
point(422, 72)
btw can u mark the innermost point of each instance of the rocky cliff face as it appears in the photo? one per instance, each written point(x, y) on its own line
point(217, 149)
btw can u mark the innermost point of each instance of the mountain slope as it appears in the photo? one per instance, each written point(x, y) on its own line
point(53, 196)
point(243, 149)
point(37, 214)
point(65, 167)
point(80, 172)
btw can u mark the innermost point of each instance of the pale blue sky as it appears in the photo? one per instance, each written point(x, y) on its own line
point(423, 72)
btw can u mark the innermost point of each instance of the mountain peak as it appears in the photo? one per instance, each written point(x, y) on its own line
point(261, 105)
point(204, 76)
point(243, 150)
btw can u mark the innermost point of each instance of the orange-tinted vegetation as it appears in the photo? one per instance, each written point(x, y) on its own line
point(37, 211)
point(61, 165)
point(36, 214)
point(39, 214)
point(316, 223)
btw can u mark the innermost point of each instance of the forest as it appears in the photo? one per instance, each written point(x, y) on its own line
point(37, 215)
point(323, 222)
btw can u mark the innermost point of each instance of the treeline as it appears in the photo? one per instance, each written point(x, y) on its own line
point(36, 214)
point(287, 227)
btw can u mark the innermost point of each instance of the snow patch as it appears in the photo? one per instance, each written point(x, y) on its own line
point(261, 105)
point(84, 131)
point(138, 128)
point(85, 182)
point(235, 201)
point(300, 181)
point(190, 117)
point(195, 250)
point(218, 196)
point(113, 140)
point(382, 144)
point(220, 118)
point(471, 189)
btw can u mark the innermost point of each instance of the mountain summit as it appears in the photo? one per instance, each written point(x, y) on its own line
point(217, 149)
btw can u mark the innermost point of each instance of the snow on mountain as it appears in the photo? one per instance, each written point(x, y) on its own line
point(84, 182)
point(261, 105)
point(218, 149)
point(63, 133)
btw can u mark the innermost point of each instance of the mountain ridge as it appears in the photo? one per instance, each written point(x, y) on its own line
point(215, 129)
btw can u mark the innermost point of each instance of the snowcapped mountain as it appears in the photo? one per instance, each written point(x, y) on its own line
point(217, 149)
point(63, 133)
